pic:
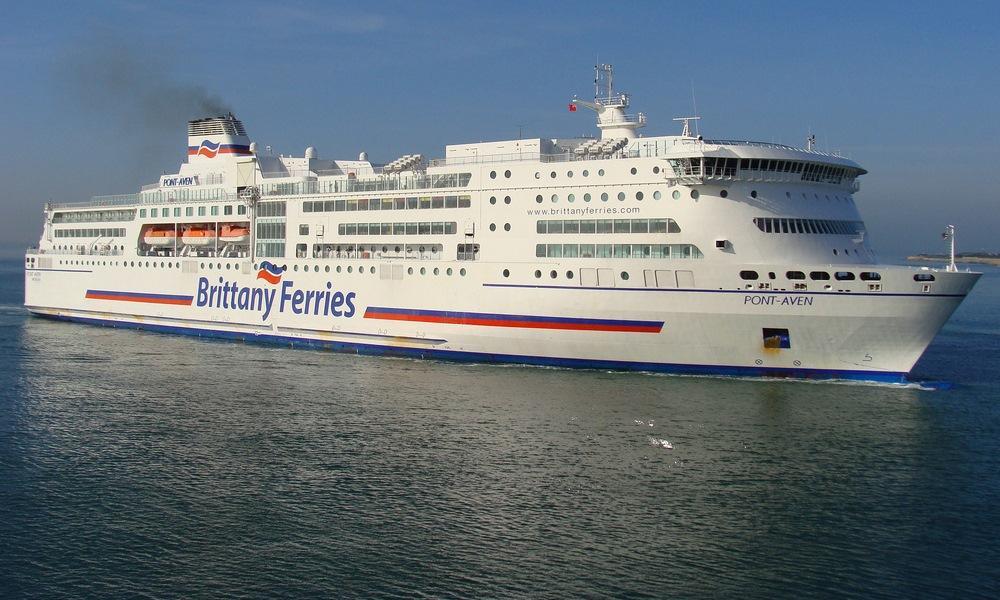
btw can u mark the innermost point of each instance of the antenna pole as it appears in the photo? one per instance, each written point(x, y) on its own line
point(951, 236)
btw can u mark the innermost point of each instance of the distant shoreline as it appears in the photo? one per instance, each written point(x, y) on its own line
point(974, 258)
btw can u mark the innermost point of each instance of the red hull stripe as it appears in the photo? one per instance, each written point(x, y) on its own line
point(520, 321)
point(139, 297)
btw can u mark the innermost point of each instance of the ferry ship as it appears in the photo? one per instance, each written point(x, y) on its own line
point(669, 253)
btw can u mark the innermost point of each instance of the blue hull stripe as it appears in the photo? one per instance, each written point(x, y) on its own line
point(485, 357)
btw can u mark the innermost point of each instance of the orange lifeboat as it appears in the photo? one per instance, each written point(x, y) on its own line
point(234, 234)
point(199, 235)
point(160, 236)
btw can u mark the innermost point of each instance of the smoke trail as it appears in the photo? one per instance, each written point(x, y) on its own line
point(123, 79)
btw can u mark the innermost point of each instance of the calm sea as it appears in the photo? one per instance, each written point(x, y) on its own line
point(137, 464)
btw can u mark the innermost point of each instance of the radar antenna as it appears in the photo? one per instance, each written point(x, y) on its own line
point(686, 131)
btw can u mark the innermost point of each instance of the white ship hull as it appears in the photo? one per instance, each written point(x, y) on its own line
point(876, 336)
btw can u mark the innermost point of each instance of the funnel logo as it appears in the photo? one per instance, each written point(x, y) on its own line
point(270, 272)
point(210, 149)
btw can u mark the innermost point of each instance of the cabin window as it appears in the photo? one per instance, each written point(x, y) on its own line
point(749, 275)
point(870, 276)
point(819, 275)
point(844, 276)
point(142, 213)
point(468, 252)
point(923, 277)
point(303, 229)
point(795, 275)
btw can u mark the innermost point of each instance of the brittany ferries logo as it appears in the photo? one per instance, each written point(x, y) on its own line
point(270, 272)
point(277, 298)
point(209, 149)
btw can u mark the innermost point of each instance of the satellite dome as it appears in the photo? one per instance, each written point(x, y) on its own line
point(310, 152)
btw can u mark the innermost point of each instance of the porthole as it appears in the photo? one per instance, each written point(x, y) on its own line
point(538, 198)
point(553, 274)
point(409, 271)
point(600, 172)
point(437, 271)
point(228, 266)
point(639, 196)
point(493, 199)
point(555, 197)
point(570, 198)
point(586, 197)
point(448, 271)
point(657, 195)
point(788, 195)
point(493, 226)
point(586, 173)
point(538, 175)
point(694, 194)
point(624, 275)
point(326, 269)
point(493, 174)
point(569, 274)
point(552, 174)
point(506, 199)
point(569, 173)
point(604, 197)
point(724, 193)
point(350, 269)
point(506, 272)
point(656, 170)
point(316, 269)
point(461, 272)
point(371, 270)
point(423, 270)
point(538, 274)
point(506, 226)
point(633, 170)
point(338, 268)
point(621, 196)
point(753, 193)
point(835, 252)
point(506, 174)
point(676, 195)
point(294, 268)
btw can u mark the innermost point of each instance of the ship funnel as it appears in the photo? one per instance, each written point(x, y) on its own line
point(216, 138)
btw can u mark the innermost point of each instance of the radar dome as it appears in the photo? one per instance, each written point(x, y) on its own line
point(253, 147)
point(363, 156)
point(310, 152)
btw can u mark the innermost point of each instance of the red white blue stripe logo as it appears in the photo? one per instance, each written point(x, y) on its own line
point(505, 320)
point(211, 149)
point(139, 297)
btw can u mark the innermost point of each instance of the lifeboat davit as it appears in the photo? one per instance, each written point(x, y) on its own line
point(198, 236)
point(160, 236)
point(234, 234)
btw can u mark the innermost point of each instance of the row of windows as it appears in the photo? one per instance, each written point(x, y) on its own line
point(94, 216)
point(389, 250)
point(90, 233)
point(378, 184)
point(189, 211)
point(825, 226)
point(271, 209)
point(617, 251)
point(422, 228)
point(608, 226)
point(709, 166)
point(412, 203)
point(271, 231)
point(816, 275)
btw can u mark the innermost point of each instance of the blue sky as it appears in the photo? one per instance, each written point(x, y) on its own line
point(908, 89)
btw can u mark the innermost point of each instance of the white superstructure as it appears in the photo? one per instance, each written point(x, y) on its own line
point(668, 253)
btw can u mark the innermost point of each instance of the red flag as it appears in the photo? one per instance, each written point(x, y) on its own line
point(572, 108)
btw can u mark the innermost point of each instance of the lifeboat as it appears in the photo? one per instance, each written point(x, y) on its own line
point(198, 235)
point(234, 234)
point(160, 236)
